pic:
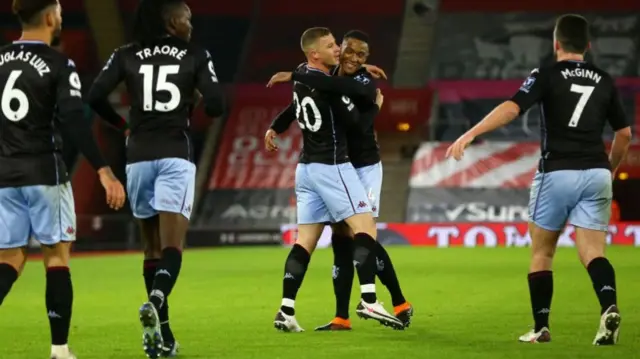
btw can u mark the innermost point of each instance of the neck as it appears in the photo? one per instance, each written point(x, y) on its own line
point(36, 35)
point(565, 56)
point(318, 65)
point(341, 71)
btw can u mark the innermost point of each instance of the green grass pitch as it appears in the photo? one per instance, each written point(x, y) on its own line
point(470, 303)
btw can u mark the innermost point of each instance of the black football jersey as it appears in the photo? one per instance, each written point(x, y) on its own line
point(577, 99)
point(40, 91)
point(161, 79)
point(323, 118)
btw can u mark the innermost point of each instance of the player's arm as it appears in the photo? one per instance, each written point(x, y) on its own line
point(622, 138)
point(71, 115)
point(363, 87)
point(208, 85)
point(284, 119)
point(98, 96)
point(529, 94)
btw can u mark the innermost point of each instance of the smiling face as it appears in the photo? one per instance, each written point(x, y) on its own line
point(354, 54)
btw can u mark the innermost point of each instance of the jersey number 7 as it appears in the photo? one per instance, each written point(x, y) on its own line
point(162, 84)
point(585, 93)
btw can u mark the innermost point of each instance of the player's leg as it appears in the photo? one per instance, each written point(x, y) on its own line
point(371, 178)
point(591, 218)
point(150, 234)
point(14, 237)
point(552, 195)
point(312, 214)
point(346, 198)
point(141, 178)
point(342, 273)
point(173, 200)
point(53, 224)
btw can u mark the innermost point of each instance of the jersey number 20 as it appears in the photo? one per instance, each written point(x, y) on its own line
point(162, 84)
point(585, 93)
point(304, 121)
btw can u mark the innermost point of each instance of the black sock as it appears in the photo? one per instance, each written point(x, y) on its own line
point(364, 257)
point(541, 292)
point(166, 276)
point(387, 275)
point(343, 272)
point(59, 301)
point(8, 276)
point(603, 278)
point(294, 270)
point(149, 272)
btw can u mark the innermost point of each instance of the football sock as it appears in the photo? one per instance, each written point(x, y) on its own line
point(364, 258)
point(387, 275)
point(59, 302)
point(294, 270)
point(541, 292)
point(603, 278)
point(343, 272)
point(149, 272)
point(165, 276)
point(8, 276)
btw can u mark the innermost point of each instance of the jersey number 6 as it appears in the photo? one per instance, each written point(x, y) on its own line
point(304, 121)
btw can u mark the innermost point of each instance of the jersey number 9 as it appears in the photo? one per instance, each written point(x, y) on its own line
point(307, 102)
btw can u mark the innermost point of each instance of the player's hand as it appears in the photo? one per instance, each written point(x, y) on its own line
point(113, 188)
point(279, 77)
point(270, 140)
point(457, 148)
point(379, 98)
point(375, 71)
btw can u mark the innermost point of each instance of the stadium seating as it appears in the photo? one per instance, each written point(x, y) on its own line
point(275, 36)
point(498, 43)
point(221, 27)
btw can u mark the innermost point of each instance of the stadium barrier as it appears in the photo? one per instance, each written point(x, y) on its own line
point(481, 234)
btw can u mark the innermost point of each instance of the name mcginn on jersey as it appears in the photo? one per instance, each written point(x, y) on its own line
point(590, 74)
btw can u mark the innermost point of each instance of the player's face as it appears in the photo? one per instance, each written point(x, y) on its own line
point(353, 55)
point(327, 51)
point(181, 23)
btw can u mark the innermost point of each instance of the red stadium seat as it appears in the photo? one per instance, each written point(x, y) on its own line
point(329, 7)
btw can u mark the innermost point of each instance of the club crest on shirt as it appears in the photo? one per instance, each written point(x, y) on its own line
point(527, 84)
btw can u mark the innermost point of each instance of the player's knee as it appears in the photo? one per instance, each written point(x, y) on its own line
point(363, 223)
point(15, 257)
point(341, 230)
point(57, 255)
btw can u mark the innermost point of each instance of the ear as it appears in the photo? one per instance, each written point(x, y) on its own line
point(49, 18)
point(556, 45)
point(589, 46)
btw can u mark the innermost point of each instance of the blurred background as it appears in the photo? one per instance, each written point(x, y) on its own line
point(450, 62)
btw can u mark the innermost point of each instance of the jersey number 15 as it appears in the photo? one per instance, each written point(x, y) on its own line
point(162, 84)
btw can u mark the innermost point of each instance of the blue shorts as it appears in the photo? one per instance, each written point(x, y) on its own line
point(583, 198)
point(371, 178)
point(46, 213)
point(329, 193)
point(165, 185)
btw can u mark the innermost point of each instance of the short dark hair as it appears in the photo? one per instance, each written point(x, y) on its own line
point(572, 32)
point(28, 11)
point(311, 35)
point(150, 21)
point(356, 34)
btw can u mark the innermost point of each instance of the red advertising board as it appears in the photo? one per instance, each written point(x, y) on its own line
point(538, 5)
point(242, 161)
point(445, 235)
